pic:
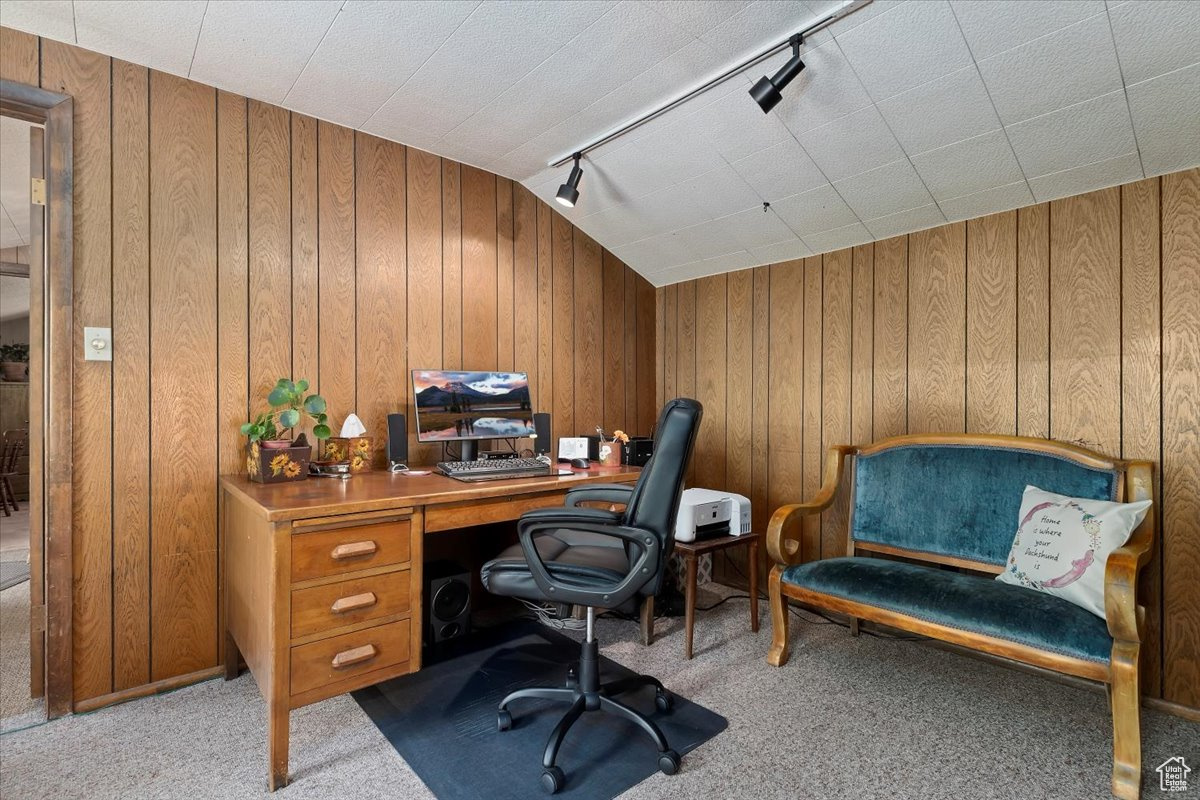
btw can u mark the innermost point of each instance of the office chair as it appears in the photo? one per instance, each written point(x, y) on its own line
point(601, 559)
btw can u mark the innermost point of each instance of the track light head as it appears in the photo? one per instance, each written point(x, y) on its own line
point(568, 193)
point(767, 91)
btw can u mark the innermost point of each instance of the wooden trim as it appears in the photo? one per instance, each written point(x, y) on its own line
point(56, 113)
point(935, 558)
point(351, 520)
point(148, 689)
point(1080, 455)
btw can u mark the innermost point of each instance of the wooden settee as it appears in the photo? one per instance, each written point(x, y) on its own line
point(947, 506)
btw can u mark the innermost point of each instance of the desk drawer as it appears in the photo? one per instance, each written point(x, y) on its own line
point(332, 552)
point(451, 516)
point(341, 657)
point(323, 608)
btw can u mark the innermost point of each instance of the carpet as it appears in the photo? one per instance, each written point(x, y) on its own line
point(442, 721)
point(13, 572)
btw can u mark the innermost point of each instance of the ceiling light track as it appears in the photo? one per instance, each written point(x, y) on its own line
point(790, 68)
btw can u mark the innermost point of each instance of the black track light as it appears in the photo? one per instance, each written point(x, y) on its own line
point(767, 91)
point(568, 193)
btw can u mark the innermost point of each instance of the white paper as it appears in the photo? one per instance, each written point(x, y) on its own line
point(352, 427)
point(573, 447)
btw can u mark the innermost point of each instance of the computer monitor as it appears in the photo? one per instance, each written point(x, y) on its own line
point(457, 406)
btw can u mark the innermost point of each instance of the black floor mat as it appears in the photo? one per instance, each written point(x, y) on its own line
point(442, 721)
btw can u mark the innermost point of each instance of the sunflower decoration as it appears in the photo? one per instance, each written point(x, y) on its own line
point(278, 463)
point(362, 447)
point(292, 470)
point(252, 465)
point(357, 463)
point(334, 451)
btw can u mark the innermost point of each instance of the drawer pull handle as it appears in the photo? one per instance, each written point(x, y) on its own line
point(353, 550)
point(348, 658)
point(354, 602)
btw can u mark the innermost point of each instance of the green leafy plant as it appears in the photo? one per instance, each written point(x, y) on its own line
point(16, 352)
point(289, 406)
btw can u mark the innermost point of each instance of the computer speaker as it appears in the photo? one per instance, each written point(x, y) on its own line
point(397, 440)
point(447, 601)
point(544, 442)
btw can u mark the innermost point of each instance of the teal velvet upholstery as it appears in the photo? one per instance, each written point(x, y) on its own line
point(960, 500)
point(967, 602)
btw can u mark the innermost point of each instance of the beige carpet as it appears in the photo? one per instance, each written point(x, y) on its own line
point(17, 709)
point(847, 718)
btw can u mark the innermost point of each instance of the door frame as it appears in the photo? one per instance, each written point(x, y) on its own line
point(52, 377)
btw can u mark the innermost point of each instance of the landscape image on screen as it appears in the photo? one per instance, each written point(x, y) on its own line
point(471, 405)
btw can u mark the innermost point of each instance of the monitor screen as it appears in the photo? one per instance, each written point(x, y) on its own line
point(453, 406)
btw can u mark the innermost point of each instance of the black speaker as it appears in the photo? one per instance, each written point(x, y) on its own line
point(544, 442)
point(397, 440)
point(447, 601)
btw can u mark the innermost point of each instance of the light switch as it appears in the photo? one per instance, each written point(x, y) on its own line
point(97, 344)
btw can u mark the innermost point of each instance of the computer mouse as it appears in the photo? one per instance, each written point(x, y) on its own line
point(580, 463)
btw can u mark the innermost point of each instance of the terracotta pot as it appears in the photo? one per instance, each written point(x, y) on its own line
point(14, 370)
point(276, 444)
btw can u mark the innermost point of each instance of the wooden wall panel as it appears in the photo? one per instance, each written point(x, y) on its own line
point(525, 284)
point(381, 282)
point(1085, 323)
point(545, 317)
point(85, 76)
point(336, 313)
point(685, 352)
point(613, 330)
point(890, 383)
point(452, 289)
point(739, 383)
point(479, 348)
point(811, 398)
point(785, 379)
point(270, 201)
point(506, 310)
point(563, 254)
point(835, 384)
point(645, 355)
point(760, 507)
point(862, 345)
point(632, 364)
point(589, 334)
point(936, 338)
point(305, 267)
point(233, 294)
point(1033, 321)
point(424, 273)
point(19, 58)
point(1181, 436)
point(183, 362)
point(660, 313)
point(670, 342)
point(991, 372)
point(131, 372)
point(711, 377)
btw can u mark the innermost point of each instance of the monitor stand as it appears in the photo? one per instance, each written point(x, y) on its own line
point(468, 450)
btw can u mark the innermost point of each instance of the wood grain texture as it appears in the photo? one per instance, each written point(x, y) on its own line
point(233, 291)
point(760, 506)
point(785, 381)
point(336, 311)
point(633, 361)
point(85, 76)
point(991, 371)
point(711, 376)
point(685, 356)
point(1033, 321)
point(670, 343)
point(1141, 383)
point(936, 340)
point(563, 254)
point(478, 269)
point(381, 284)
point(424, 272)
point(19, 59)
point(837, 320)
point(740, 384)
point(647, 365)
point(813, 454)
point(545, 314)
point(270, 280)
point(862, 345)
point(660, 313)
point(589, 333)
point(452, 288)
point(183, 361)
point(1085, 324)
point(612, 333)
point(131, 373)
point(525, 283)
point(505, 254)
point(305, 267)
point(890, 383)
point(1181, 436)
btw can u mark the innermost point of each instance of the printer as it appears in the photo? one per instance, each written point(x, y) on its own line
point(707, 514)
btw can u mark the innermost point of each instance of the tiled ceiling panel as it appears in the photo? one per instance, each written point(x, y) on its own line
point(908, 113)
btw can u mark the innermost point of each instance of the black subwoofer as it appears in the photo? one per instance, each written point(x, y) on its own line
point(447, 601)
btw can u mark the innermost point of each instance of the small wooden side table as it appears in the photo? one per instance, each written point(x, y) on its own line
point(691, 552)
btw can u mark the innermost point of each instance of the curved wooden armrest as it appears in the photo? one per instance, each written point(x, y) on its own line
point(1124, 563)
point(784, 547)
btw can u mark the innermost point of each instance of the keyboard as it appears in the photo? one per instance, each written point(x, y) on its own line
point(495, 469)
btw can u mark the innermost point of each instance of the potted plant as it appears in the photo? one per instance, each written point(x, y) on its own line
point(274, 455)
point(14, 361)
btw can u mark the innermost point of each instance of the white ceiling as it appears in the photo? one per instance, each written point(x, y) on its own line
point(14, 182)
point(908, 115)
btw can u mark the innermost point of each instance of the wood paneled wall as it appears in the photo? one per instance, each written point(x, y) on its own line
point(1077, 320)
point(228, 243)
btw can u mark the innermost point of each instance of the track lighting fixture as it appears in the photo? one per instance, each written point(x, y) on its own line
point(767, 91)
point(568, 193)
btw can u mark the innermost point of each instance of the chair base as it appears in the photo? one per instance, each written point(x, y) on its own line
point(584, 692)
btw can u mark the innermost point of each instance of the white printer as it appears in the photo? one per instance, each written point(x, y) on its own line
point(707, 513)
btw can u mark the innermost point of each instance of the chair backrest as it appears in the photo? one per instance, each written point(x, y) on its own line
point(655, 500)
point(957, 496)
point(14, 445)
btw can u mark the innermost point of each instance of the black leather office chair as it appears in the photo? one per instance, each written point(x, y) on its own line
point(601, 559)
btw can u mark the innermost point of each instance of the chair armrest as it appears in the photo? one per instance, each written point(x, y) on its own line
point(618, 493)
point(783, 544)
point(642, 544)
point(1124, 563)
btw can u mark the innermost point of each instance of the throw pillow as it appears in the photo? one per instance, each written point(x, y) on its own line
point(1063, 543)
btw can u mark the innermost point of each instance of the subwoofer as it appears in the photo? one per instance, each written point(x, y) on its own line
point(447, 601)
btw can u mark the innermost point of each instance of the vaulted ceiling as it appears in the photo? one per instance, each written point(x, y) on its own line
point(908, 115)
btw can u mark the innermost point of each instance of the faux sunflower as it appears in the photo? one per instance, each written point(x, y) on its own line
point(278, 463)
point(292, 469)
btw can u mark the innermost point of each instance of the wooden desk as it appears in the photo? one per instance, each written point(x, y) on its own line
point(322, 579)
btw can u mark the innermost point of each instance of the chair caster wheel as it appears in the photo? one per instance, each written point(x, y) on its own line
point(664, 701)
point(503, 720)
point(668, 762)
point(553, 779)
